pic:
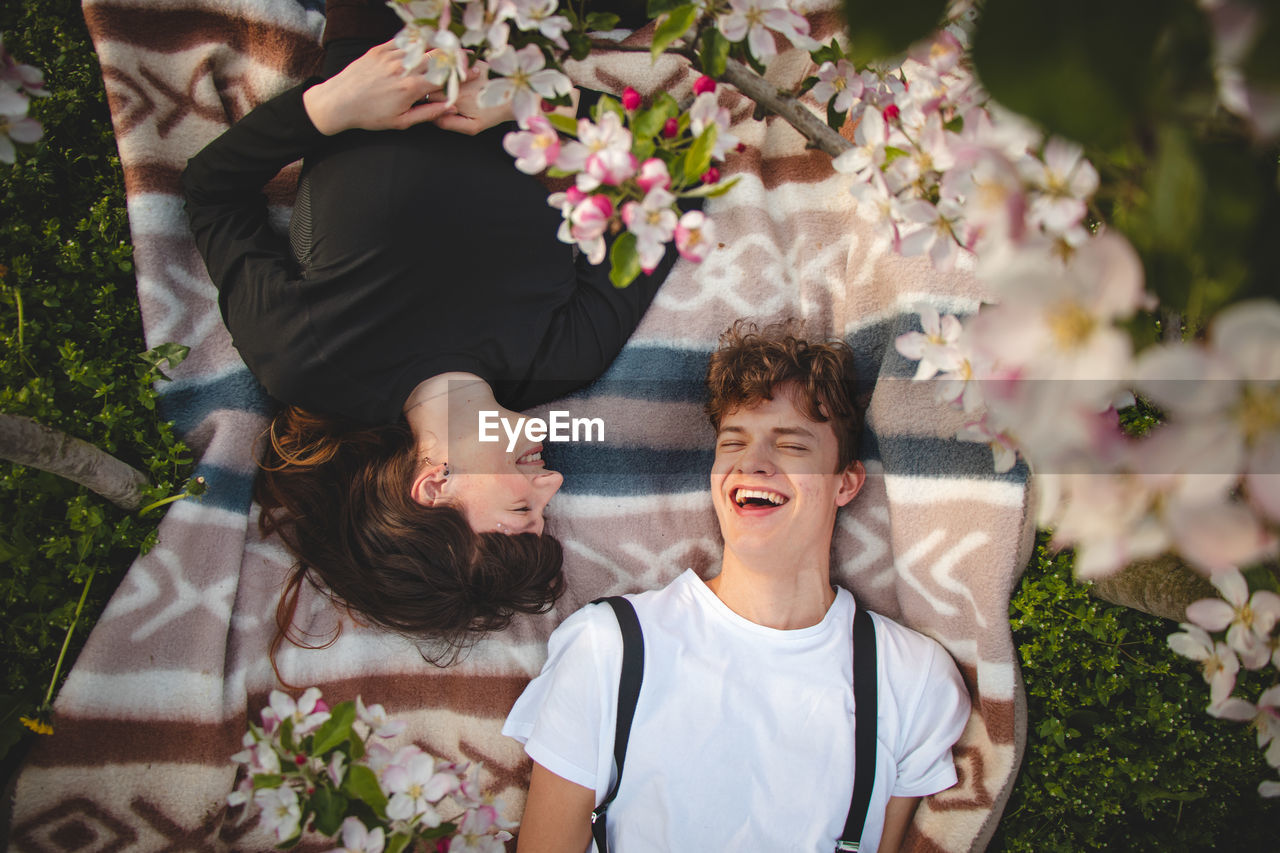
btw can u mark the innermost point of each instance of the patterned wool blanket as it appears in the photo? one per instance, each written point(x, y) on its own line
point(163, 691)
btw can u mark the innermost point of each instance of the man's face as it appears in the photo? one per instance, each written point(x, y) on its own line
point(774, 483)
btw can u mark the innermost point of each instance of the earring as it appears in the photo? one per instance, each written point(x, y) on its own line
point(444, 473)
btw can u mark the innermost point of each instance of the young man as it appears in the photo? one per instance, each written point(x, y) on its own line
point(743, 735)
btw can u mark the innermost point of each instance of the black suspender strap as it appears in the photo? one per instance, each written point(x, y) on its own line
point(628, 692)
point(864, 728)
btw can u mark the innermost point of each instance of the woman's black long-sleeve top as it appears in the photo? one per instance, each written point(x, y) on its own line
point(426, 252)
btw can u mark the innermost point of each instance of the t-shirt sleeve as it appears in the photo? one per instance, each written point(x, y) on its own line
point(565, 717)
point(932, 727)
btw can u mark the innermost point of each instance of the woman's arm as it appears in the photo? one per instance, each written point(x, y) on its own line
point(223, 183)
point(897, 817)
point(557, 815)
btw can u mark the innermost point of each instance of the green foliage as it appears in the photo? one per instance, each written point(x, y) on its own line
point(883, 30)
point(70, 335)
point(1120, 754)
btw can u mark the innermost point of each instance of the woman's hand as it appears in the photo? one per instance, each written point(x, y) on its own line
point(469, 117)
point(374, 93)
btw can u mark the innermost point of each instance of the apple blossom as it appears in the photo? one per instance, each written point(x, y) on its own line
point(630, 99)
point(934, 347)
point(486, 22)
point(1248, 620)
point(601, 154)
point(704, 85)
point(447, 64)
point(670, 128)
point(307, 713)
point(15, 125)
point(706, 111)
point(653, 221)
point(695, 236)
point(757, 20)
point(1218, 662)
point(16, 75)
point(539, 16)
point(936, 234)
point(1065, 181)
point(524, 80)
point(356, 838)
point(838, 84)
point(869, 140)
point(281, 811)
point(535, 147)
point(416, 785)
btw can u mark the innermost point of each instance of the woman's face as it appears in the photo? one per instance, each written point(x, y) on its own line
point(498, 490)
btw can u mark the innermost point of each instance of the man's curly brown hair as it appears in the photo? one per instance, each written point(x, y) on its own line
point(754, 364)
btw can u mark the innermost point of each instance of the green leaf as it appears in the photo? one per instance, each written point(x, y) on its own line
point(334, 730)
point(579, 45)
point(649, 123)
point(624, 260)
point(828, 53)
point(672, 26)
point(880, 30)
point(713, 190)
point(1176, 191)
point(330, 808)
point(698, 158)
point(602, 21)
point(657, 7)
point(397, 843)
point(1084, 72)
point(173, 353)
point(835, 118)
point(267, 780)
point(713, 52)
point(362, 784)
point(607, 104)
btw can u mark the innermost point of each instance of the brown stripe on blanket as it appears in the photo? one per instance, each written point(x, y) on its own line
point(483, 696)
point(808, 168)
point(153, 177)
point(292, 52)
point(100, 741)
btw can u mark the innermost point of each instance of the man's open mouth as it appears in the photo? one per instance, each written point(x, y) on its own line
point(745, 497)
point(532, 457)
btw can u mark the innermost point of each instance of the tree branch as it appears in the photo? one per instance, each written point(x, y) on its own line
point(26, 442)
point(782, 104)
point(787, 107)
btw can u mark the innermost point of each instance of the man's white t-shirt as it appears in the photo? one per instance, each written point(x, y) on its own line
point(743, 735)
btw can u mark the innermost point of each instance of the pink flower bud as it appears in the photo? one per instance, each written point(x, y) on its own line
point(891, 112)
point(602, 204)
point(321, 707)
point(653, 173)
point(442, 845)
point(703, 84)
point(546, 106)
point(711, 176)
point(630, 99)
point(575, 196)
point(740, 147)
point(671, 128)
point(299, 759)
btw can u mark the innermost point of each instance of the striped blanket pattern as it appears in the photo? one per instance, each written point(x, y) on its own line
point(178, 664)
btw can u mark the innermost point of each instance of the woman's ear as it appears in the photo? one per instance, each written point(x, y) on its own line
point(428, 486)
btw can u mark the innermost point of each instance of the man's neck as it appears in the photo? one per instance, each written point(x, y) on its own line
point(776, 596)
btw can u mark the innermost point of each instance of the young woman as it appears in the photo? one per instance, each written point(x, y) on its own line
point(421, 283)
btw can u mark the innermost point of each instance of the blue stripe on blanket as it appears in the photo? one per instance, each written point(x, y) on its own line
point(188, 402)
point(596, 469)
point(226, 489)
